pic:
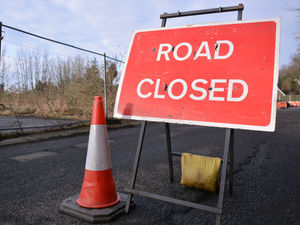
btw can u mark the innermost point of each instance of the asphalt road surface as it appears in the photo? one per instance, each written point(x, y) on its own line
point(37, 177)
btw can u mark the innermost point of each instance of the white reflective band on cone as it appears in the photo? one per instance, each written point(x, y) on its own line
point(98, 154)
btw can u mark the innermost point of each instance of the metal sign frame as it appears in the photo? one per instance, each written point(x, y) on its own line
point(228, 154)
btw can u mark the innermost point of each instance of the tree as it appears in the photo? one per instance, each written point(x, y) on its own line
point(289, 76)
point(111, 89)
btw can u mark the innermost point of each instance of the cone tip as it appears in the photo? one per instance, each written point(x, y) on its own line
point(98, 116)
point(98, 98)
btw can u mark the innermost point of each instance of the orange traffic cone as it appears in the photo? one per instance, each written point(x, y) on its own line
point(98, 187)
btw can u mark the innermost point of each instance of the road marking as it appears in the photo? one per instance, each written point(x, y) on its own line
point(85, 144)
point(36, 155)
point(81, 145)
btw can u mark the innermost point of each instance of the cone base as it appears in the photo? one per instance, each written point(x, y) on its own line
point(102, 215)
point(98, 190)
point(82, 203)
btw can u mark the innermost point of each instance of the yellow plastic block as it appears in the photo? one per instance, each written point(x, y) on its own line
point(200, 171)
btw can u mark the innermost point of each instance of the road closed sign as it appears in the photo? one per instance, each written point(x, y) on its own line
point(220, 75)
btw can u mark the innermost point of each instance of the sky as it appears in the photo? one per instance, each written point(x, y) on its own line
point(107, 25)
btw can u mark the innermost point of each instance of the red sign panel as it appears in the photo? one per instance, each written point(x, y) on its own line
point(222, 75)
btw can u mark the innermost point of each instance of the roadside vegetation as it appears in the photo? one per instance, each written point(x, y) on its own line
point(61, 88)
point(289, 76)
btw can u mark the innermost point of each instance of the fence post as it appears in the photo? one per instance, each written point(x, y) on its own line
point(0, 38)
point(0, 63)
point(1, 75)
point(105, 96)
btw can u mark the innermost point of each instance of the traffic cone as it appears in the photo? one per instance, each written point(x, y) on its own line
point(98, 187)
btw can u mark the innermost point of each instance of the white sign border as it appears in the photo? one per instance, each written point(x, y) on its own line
point(270, 127)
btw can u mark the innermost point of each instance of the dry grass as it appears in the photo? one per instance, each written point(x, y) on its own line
point(64, 93)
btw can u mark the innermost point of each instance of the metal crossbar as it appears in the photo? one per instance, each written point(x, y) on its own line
point(174, 201)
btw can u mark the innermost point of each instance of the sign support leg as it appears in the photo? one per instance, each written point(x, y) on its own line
point(231, 164)
point(167, 126)
point(136, 163)
point(227, 147)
